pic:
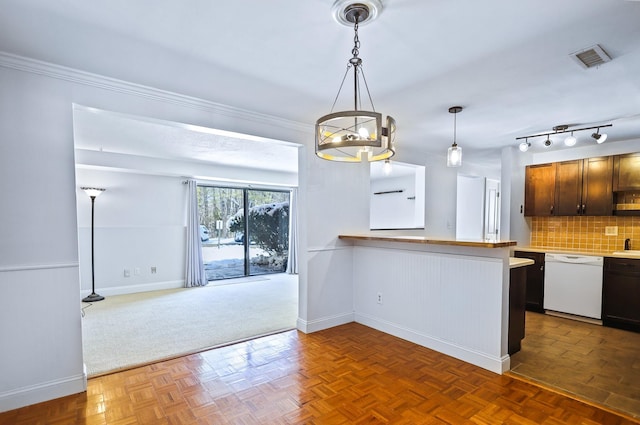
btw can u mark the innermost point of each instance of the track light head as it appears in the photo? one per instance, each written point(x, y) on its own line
point(571, 140)
point(547, 142)
point(600, 138)
point(524, 146)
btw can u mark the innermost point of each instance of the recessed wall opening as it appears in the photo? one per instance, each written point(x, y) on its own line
point(141, 237)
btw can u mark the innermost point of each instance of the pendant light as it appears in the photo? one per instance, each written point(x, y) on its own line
point(387, 167)
point(454, 153)
point(355, 135)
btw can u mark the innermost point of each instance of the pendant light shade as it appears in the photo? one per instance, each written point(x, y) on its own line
point(355, 135)
point(454, 153)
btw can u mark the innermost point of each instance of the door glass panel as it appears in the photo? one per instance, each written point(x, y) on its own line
point(232, 247)
point(268, 231)
point(220, 211)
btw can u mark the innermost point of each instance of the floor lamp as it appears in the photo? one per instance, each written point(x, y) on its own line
point(93, 192)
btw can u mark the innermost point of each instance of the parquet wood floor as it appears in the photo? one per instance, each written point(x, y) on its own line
point(350, 374)
point(597, 363)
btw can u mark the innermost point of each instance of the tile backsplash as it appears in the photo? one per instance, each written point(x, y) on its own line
point(585, 233)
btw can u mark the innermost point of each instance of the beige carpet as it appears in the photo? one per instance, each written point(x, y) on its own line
point(129, 330)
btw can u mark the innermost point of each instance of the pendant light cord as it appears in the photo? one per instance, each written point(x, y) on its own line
point(455, 114)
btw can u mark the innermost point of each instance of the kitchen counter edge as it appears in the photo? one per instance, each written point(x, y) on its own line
point(431, 241)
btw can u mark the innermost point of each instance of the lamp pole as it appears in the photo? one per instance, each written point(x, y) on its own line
point(93, 193)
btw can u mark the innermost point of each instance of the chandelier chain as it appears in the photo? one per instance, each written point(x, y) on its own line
point(356, 41)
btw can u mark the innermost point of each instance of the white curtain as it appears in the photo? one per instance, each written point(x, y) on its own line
point(195, 274)
point(292, 263)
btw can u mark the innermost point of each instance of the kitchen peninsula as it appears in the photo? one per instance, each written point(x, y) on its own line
point(448, 295)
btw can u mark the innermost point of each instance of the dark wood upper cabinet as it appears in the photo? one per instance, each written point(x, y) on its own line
point(539, 190)
point(569, 188)
point(626, 172)
point(597, 186)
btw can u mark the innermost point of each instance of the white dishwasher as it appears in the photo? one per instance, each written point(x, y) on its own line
point(573, 284)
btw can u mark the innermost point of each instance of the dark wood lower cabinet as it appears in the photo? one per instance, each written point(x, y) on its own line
point(535, 280)
point(621, 293)
point(517, 297)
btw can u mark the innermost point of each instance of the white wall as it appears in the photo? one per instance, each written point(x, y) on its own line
point(470, 207)
point(395, 210)
point(139, 223)
point(441, 189)
point(39, 233)
point(337, 203)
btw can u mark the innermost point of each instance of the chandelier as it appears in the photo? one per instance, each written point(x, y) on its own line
point(355, 135)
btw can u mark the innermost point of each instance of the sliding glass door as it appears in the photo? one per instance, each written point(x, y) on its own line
point(268, 225)
point(235, 246)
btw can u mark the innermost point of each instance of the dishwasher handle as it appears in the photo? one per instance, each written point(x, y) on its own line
point(573, 259)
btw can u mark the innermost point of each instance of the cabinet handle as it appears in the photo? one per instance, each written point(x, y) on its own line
point(584, 208)
point(551, 210)
point(578, 209)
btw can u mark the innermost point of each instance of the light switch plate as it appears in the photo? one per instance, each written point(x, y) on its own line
point(611, 230)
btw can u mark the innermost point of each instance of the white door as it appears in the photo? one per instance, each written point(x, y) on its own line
point(492, 210)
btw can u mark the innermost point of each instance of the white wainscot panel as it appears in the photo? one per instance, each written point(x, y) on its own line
point(451, 303)
point(39, 313)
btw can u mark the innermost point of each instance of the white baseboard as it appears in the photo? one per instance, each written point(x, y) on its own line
point(324, 323)
point(132, 289)
point(483, 360)
point(45, 391)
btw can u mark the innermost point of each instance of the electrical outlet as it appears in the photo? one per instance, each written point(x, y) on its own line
point(379, 298)
point(154, 270)
point(127, 273)
point(136, 271)
point(611, 231)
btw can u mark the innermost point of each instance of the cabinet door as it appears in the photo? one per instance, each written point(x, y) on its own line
point(535, 280)
point(539, 189)
point(597, 181)
point(626, 174)
point(621, 293)
point(568, 188)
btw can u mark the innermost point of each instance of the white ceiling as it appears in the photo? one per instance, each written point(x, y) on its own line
point(100, 130)
point(506, 62)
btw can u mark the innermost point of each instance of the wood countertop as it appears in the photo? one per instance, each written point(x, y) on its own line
point(431, 241)
point(519, 262)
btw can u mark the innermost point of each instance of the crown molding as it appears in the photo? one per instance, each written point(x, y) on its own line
point(34, 66)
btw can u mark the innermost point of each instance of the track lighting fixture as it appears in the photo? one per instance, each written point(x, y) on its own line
point(569, 141)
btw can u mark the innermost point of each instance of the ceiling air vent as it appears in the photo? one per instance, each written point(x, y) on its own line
point(591, 56)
